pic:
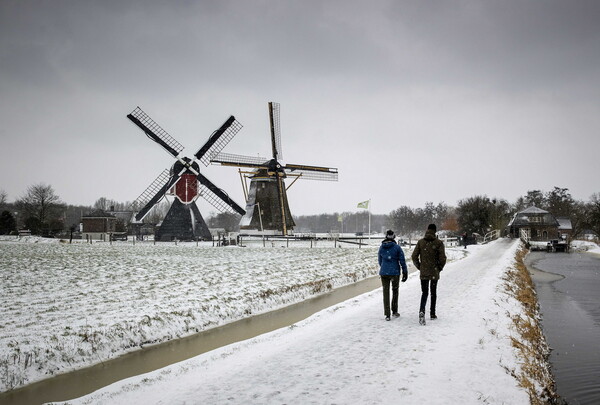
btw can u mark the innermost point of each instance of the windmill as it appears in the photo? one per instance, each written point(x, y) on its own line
point(184, 180)
point(266, 201)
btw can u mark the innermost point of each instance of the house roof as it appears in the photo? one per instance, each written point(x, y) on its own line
point(533, 210)
point(564, 223)
point(126, 216)
point(522, 218)
point(98, 214)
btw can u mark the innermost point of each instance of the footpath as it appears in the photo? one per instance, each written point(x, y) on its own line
point(348, 353)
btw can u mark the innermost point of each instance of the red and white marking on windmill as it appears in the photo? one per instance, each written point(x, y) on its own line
point(186, 188)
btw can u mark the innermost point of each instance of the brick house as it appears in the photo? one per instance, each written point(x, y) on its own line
point(539, 224)
point(98, 225)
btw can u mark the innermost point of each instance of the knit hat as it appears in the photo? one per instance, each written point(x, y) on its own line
point(390, 234)
point(432, 227)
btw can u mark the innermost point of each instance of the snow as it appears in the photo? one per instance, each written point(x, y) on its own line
point(66, 306)
point(586, 246)
point(349, 354)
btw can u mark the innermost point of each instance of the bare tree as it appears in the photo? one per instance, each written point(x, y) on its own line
point(3, 198)
point(40, 206)
point(230, 222)
point(404, 220)
point(158, 212)
point(102, 203)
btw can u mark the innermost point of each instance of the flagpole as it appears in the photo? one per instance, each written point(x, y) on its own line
point(369, 219)
point(365, 205)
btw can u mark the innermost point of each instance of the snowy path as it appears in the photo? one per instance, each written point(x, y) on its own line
point(348, 354)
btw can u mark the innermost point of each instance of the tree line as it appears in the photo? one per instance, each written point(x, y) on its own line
point(477, 214)
point(42, 211)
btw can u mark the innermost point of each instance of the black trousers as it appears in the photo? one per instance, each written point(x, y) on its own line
point(425, 286)
point(385, 283)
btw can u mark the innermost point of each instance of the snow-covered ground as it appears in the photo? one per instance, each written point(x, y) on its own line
point(67, 306)
point(586, 246)
point(348, 354)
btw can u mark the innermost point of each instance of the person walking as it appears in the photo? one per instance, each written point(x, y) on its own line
point(429, 257)
point(391, 259)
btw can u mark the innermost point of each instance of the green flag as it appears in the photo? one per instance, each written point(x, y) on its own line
point(364, 204)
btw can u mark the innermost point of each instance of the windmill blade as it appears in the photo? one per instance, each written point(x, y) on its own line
point(218, 140)
point(312, 172)
point(155, 132)
point(275, 131)
point(154, 193)
point(217, 197)
point(228, 159)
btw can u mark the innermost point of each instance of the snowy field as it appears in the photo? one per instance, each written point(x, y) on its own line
point(66, 306)
point(347, 354)
point(585, 246)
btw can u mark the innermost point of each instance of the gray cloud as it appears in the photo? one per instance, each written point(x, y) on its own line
point(409, 90)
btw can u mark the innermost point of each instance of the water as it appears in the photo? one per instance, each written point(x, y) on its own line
point(84, 381)
point(567, 287)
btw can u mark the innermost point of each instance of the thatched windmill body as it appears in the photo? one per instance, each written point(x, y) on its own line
point(267, 207)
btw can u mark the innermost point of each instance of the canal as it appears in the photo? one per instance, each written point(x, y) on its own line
point(84, 381)
point(567, 287)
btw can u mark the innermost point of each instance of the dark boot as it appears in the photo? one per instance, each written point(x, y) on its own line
point(422, 318)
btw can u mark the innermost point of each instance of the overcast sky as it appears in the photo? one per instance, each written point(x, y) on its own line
point(412, 101)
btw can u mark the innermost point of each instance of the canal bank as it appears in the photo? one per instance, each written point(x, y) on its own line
point(567, 286)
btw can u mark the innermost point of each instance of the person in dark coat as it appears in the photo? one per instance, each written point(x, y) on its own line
point(391, 259)
point(429, 257)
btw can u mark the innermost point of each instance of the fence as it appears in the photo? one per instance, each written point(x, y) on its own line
point(524, 235)
point(449, 242)
point(492, 235)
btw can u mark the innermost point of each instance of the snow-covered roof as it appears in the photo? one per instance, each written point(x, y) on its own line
point(533, 215)
point(564, 223)
point(533, 210)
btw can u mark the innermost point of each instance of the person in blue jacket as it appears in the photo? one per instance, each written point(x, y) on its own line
point(391, 259)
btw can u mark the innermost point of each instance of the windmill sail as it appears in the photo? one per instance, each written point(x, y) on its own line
point(275, 131)
point(154, 193)
point(155, 132)
point(312, 172)
point(217, 197)
point(218, 140)
point(229, 159)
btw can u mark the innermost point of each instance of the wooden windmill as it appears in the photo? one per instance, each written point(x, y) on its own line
point(267, 205)
point(184, 181)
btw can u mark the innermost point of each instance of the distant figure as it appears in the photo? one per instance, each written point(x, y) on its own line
point(391, 259)
point(465, 239)
point(429, 257)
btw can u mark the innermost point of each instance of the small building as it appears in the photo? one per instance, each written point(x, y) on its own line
point(98, 225)
point(540, 225)
point(565, 228)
